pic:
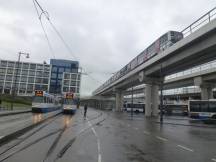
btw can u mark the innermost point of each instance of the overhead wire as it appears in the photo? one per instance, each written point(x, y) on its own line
point(45, 34)
point(46, 14)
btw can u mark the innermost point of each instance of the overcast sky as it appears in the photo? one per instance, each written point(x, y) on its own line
point(103, 34)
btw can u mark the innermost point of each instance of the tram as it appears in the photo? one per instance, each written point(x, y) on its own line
point(44, 102)
point(70, 103)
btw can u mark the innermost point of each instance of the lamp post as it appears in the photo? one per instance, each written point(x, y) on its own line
point(15, 80)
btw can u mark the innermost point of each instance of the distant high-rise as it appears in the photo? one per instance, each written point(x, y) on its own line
point(65, 76)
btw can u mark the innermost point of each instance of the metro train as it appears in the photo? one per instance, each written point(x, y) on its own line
point(162, 43)
point(44, 102)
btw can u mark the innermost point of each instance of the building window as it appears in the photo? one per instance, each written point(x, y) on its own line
point(24, 72)
point(73, 83)
point(2, 77)
point(72, 89)
point(2, 71)
point(25, 66)
point(31, 80)
point(45, 81)
point(77, 90)
point(61, 70)
point(38, 80)
point(9, 78)
point(65, 89)
point(22, 86)
point(73, 76)
point(54, 75)
point(31, 73)
point(40, 67)
point(74, 70)
point(53, 82)
point(39, 74)
point(59, 76)
point(46, 74)
point(11, 64)
point(79, 77)
point(10, 71)
point(7, 84)
point(66, 76)
point(23, 79)
point(32, 66)
point(54, 69)
point(66, 82)
point(47, 68)
point(1, 84)
point(67, 70)
point(3, 63)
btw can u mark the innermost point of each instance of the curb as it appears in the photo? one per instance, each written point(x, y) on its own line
point(14, 113)
point(22, 131)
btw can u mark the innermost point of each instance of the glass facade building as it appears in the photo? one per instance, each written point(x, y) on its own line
point(65, 76)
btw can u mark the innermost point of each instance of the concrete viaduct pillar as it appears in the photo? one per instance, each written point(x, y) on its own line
point(151, 100)
point(206, 92)
point(206, 88)
point(119, 100)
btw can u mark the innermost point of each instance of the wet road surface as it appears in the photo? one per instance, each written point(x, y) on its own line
point(111, 137)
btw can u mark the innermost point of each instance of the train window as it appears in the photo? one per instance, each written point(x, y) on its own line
point(134, 63)
point(141, 58)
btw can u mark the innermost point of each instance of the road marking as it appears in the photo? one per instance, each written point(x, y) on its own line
point(161, 138)
point(146, 132)
point(213, 159)
point(185, 148)
point(98, 141)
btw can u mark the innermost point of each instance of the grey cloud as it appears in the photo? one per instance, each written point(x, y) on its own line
point(104, 35)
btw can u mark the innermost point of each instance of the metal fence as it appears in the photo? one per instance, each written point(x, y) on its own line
point(205, 19)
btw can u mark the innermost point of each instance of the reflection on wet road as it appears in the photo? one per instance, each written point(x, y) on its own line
point(108, 136)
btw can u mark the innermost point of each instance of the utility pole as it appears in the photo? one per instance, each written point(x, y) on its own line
point(14, 86)
point(132, 102)
point(161, 95)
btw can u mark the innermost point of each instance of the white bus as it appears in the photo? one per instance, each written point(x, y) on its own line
point(202, 109)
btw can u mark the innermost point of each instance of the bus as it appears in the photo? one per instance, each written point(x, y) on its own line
point(136, 107)
point(202, 109)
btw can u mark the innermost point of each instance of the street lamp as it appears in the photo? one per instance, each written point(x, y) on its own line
point(15, 81)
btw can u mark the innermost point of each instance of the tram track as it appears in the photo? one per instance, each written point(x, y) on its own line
point(55, 142)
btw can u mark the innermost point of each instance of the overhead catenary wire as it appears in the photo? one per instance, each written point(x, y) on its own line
point(46, 14)
point(45, 34)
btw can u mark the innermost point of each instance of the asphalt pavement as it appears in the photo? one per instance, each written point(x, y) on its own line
point(111, 137)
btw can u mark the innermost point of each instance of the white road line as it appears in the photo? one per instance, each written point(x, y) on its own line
point(185, 148)
point(213, 160)
point(161, 138)
point(146, 132)
point(98, 141)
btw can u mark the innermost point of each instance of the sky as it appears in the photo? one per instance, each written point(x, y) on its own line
point(103, 35)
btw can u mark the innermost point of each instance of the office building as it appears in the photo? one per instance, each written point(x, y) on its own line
point(58, 77)
point(65, 76)
point(28, 76)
